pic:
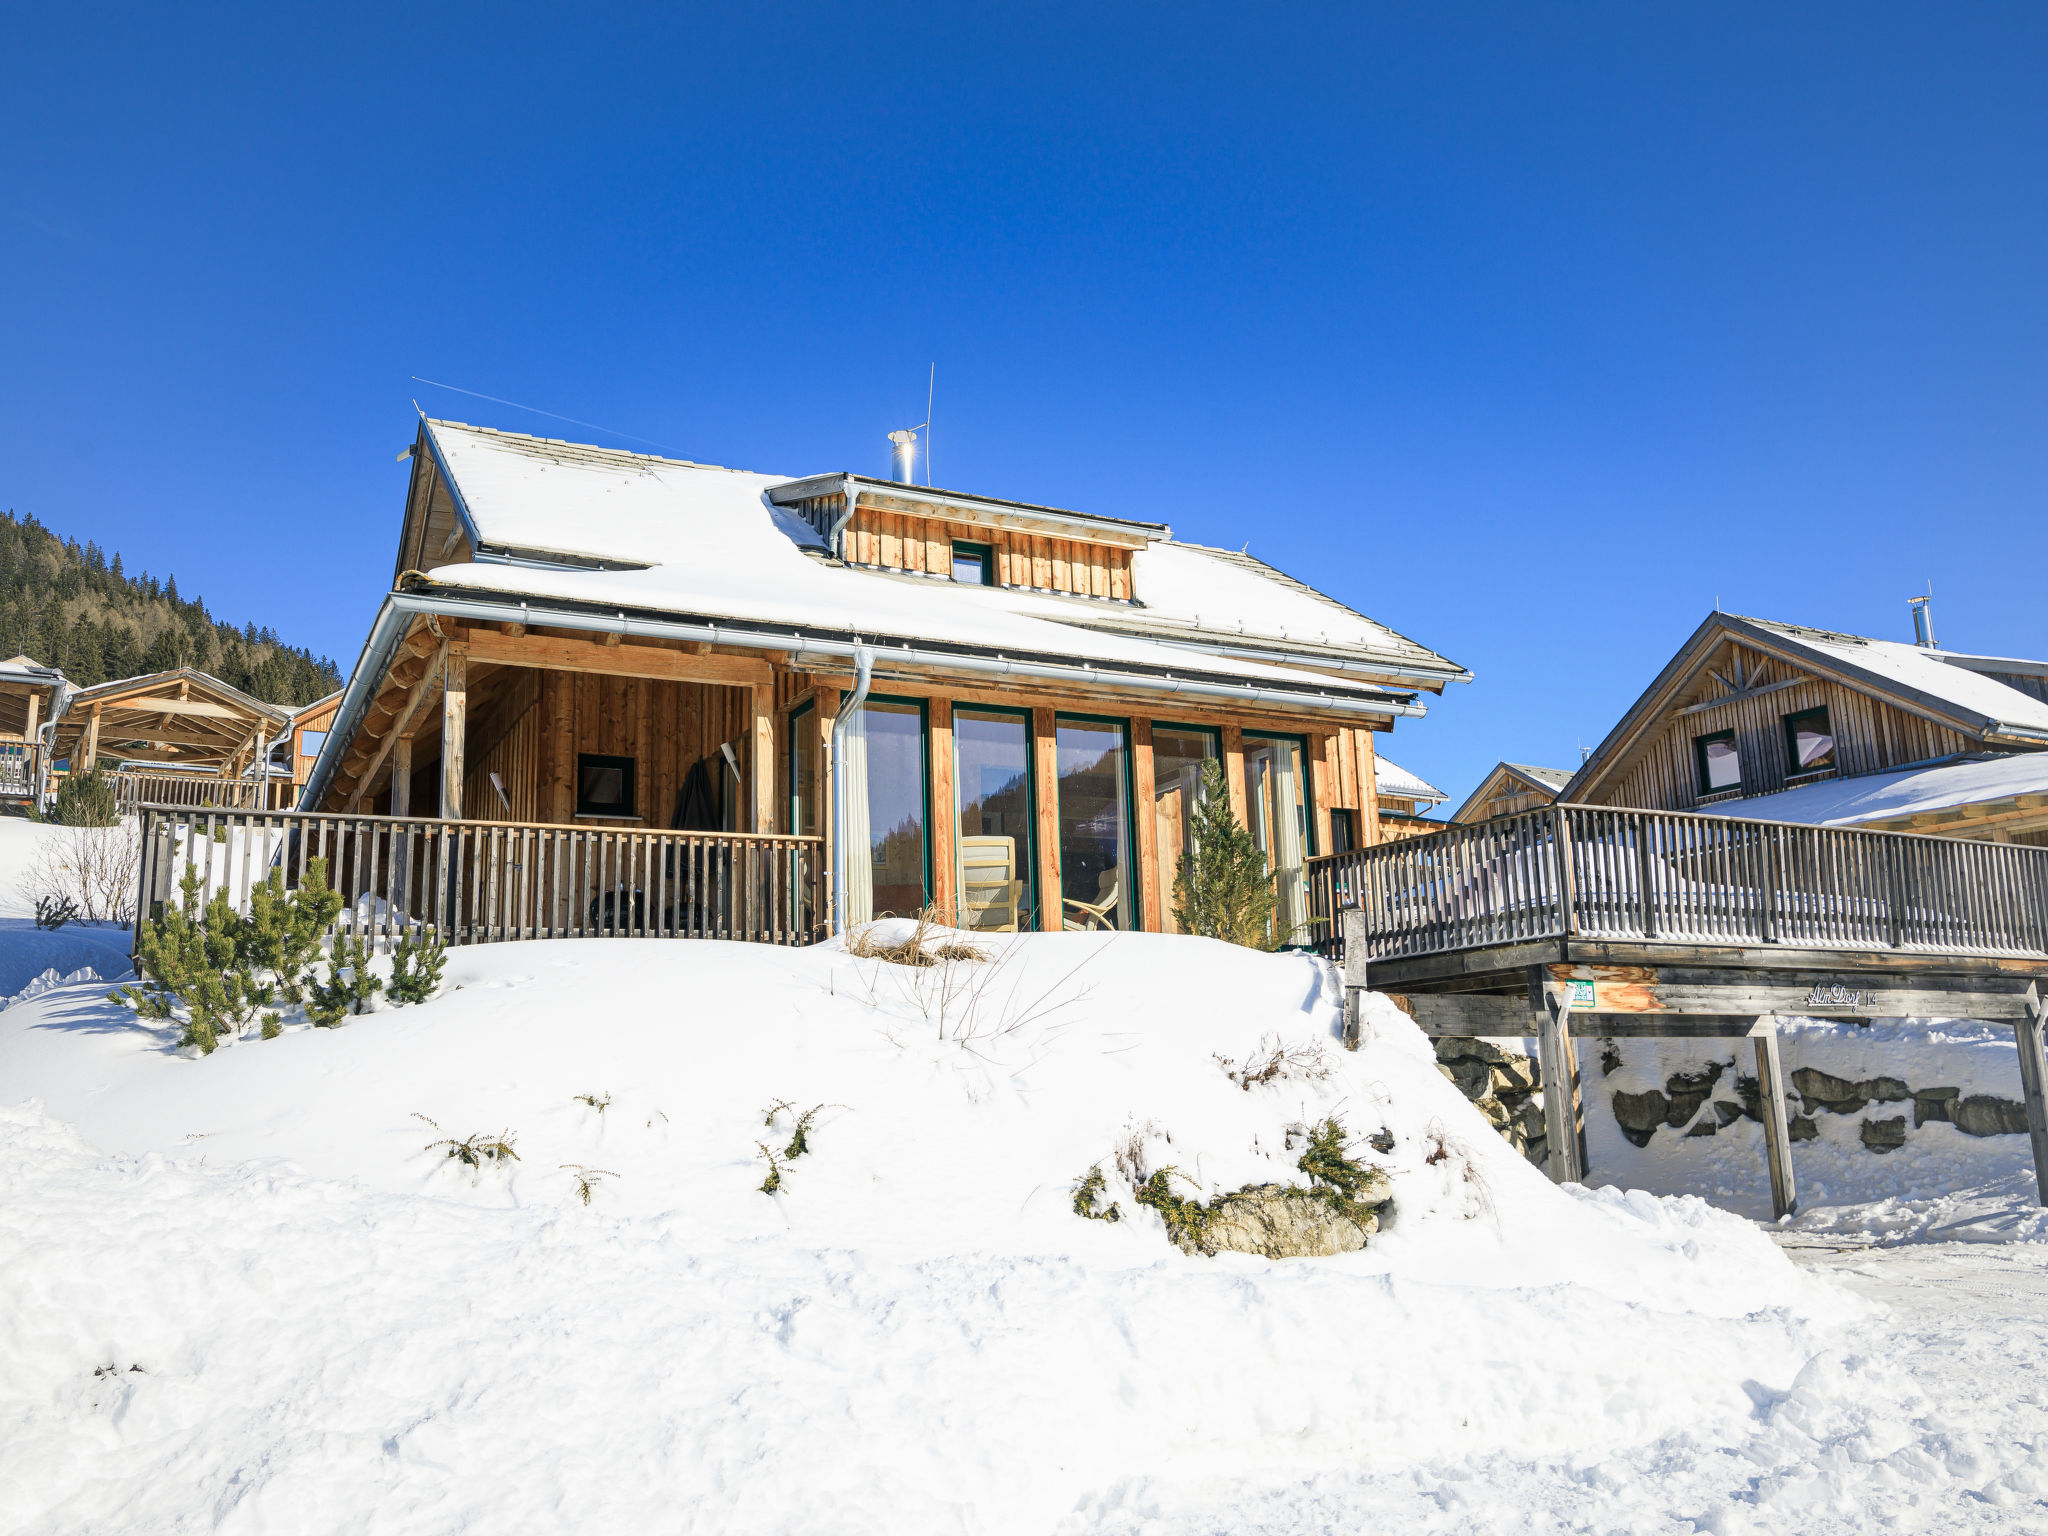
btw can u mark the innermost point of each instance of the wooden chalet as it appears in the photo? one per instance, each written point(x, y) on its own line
point(1404, 798)
point(1509, 788)
point(177, 737)
point(1789, 723)
point(913, 696)
point(28, 696)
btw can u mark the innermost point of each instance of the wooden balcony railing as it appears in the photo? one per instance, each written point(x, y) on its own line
point(476, 882)
point(21, 767)
point(139, 787)
point(1575, 871)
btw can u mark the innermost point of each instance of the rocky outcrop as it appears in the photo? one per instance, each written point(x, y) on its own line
point(1279, 1221)
point(1504, 1087)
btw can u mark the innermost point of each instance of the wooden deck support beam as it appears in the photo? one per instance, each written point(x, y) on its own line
point(1564, 1117)
point(2034, 1081)
point(1770, 1077)
point(761, 756)
point(401, 776)
point(92, 738)
point(1046, 774)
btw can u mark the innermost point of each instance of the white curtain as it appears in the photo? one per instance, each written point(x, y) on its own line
point(850, 821)
point(1290, 914)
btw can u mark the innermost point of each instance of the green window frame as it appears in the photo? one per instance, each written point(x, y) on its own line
point(983, 554)
point(1807, 719)
point(799, 729)
point(1058, 914)
point(1028, 856)
point(924, 734)
point(1700, 748)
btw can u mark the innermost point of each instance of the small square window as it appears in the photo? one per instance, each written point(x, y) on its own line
point(310, 743)
point(974, 564)
point(1810, 741)
point(604, 785)
point(1720, 764)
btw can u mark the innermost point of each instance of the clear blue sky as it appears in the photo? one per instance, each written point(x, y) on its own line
point(1530, 330)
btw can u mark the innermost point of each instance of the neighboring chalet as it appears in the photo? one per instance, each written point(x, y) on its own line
point(1784, 723)
point(299, 747)
point(1024, 696)
point(1512, 787)
point(181, 737)
point(28, 696)
point(1403, 796)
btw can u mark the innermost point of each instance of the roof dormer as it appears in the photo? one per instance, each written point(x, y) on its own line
point(885, 525)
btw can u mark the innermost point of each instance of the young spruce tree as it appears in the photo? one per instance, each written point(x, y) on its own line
point(1222, 889)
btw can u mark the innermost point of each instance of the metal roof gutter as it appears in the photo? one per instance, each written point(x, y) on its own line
point(890, 660)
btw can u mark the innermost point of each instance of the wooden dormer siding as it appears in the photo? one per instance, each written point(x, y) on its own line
point(1871, 734)
point(432, 533)
point(901, 541)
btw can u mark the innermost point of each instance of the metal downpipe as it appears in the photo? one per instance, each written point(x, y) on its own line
point(863, 674)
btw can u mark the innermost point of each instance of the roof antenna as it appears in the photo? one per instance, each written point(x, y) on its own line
point(930, 384)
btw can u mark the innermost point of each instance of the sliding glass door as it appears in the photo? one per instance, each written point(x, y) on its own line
point(1180, 753)
point(992, 793)
point(1096, 889)
point(1276, 804)
point(898, 863)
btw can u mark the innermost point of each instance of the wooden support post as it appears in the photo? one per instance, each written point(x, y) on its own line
point(1354, 975)
point(945, 824)
point(1233, 771)
point(761, 756)
point(1045, 751)
point(2034, 1081)
point(1564, 1121)
point(401, 776)
point(1154, 883)
point(454, 710)
point(1770, 1078)
point(92, 740)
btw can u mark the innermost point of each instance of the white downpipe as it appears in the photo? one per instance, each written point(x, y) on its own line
point(843, 816)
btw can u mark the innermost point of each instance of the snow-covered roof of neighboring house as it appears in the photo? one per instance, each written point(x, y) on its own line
point(26, 669)
point(1502, 775)
point(695, 539)
point(1884, 797)
point(1950, 677)
point(1397, 783)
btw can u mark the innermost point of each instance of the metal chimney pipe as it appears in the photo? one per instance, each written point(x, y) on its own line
point(1923, 620)
point(903, 457)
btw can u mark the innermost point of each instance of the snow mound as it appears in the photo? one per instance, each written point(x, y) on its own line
point(251, 1287)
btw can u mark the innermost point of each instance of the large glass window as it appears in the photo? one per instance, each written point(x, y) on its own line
point(1720, 765)
point(1276, 804)
point(896, 806)
point(1810, 741)
point(992, 788)
point(1094, 823)
point(803, 771)
point(1179, 756)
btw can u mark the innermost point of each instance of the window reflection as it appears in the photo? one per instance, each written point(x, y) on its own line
point(1277, 808)
point(895, 773)
point(1094, 821)
point(1178, 757)
point(992, 789)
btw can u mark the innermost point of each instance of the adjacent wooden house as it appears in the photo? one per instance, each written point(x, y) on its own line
point(1404, 798)
point(996, 708)
point(1784, 722)
point(28, 695)
point(1510, 788)
point(181, 737)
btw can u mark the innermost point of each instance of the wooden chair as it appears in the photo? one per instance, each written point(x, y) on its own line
point(1094, 914)
point(990, 892)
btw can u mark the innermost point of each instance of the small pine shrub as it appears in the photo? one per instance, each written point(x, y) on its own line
point(416, 968)
point(1335, 1177)
point(53, 912)
point(1222, 889)
point(349, 985)
point(196, 956)
point(1088, 1198)
point(284, 932)
point(86, 799)
point(800, 1139)
point(1187, 1221)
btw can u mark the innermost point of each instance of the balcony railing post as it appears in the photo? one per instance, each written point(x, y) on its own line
point(1567, 877)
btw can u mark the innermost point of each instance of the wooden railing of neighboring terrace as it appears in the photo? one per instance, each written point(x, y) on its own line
point(1576, 871)
point(480, 882)
point(21, 767)
point(139, 787)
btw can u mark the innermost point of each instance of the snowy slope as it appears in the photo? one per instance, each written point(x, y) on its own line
point(338, 1329)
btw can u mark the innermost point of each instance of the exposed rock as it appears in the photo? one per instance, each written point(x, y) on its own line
point(1934, 1104)
point(1639, 1114)
point(1465, 1048)
point(1885, 1135)
point(1529, 1117)
point(1474, 1078)
point(1707, 1127)
point(1982, 1115)
point(1752, 1095)
point(1689, 1090)
point(1277, 1221)
point(1826, 1091)
point(1801, 1128)
point(1515, 1075)
point(1496, 1113)
point(1728, 1111)
point(1886, 1090)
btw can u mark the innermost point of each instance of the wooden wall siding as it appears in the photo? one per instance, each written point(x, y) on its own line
point(2034, 687)
point(1392, 827)
point(1347, 780)
point(1514, 801)
point(899, 541)
point(512, 750)
point(1870, 736)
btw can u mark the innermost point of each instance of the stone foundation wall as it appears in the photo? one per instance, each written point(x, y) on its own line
point(1504, 1086)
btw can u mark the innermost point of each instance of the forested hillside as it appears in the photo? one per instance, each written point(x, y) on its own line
point(73, 606)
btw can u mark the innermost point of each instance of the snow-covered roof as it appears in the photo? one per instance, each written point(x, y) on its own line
point(694, 539)
point(1950, 677)
point(26, 669)
point(1396, 782)
point(1881, 797)
point(1549, 778)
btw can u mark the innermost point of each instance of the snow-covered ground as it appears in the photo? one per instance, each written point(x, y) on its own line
point(244, 1293)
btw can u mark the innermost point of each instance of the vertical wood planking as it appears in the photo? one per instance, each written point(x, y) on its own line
point(1045, 749)
point(1154, 881)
